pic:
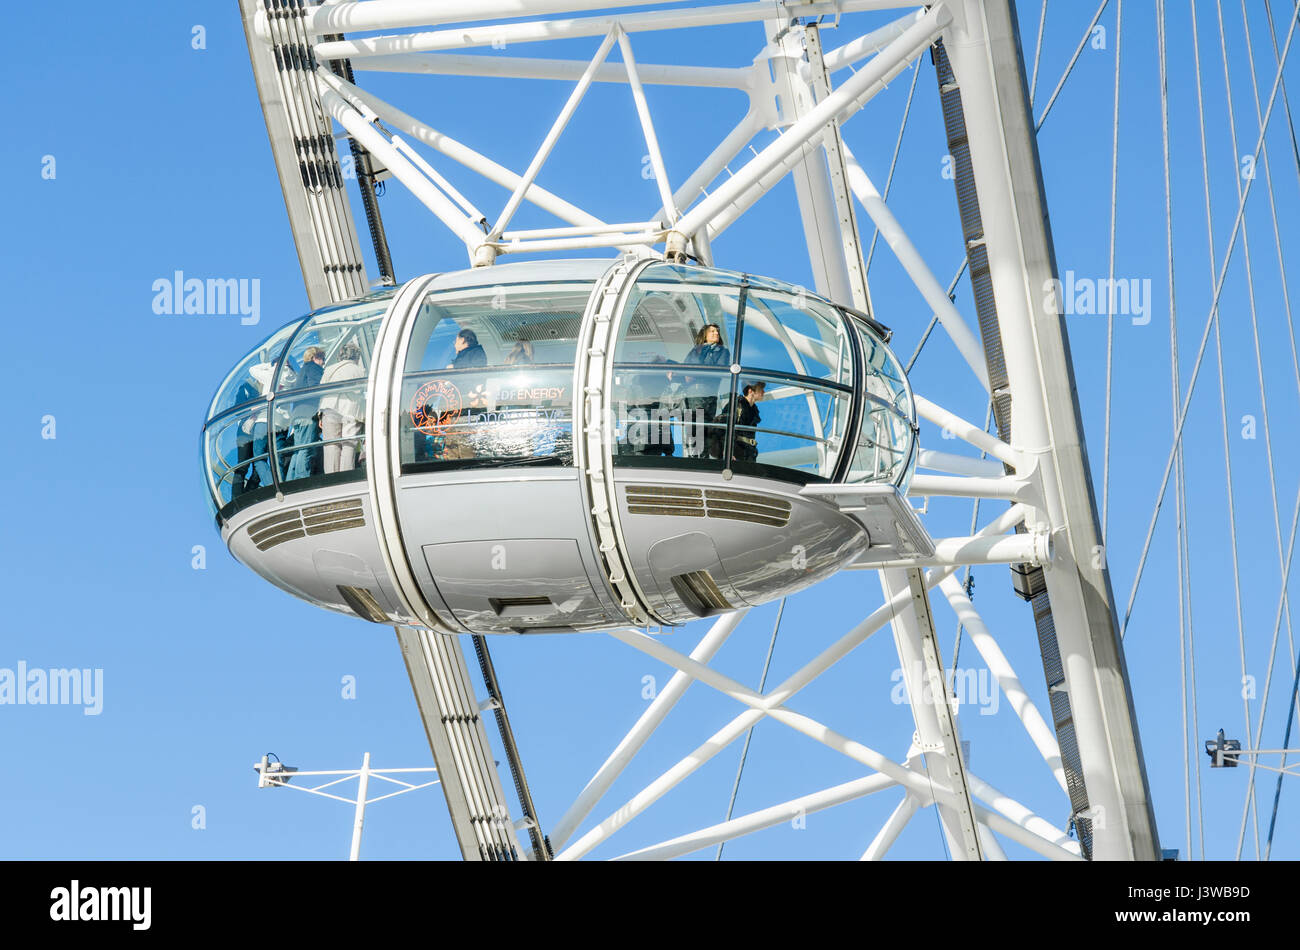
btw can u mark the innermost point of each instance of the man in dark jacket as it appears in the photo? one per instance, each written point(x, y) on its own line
point(747, 420)
point(469, 353)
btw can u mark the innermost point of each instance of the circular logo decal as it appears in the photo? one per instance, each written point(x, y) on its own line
point(435, 405)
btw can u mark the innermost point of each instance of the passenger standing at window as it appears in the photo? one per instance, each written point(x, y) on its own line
point(245, 477)
point(341, 413)
point(747, 418)
point(306, 429)
point(521, 355)
point(702, 391)
point(458, 443)
point(469, 353)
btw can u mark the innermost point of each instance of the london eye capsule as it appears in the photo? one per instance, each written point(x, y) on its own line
point(564, 446)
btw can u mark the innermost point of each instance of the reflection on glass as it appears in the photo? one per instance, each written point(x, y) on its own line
point(238, 461)
point(498, 416)
point(663, 411)
point(332, 346)
point(251, 379)
point(789, 425)
point(802, 337)
point(498, 326)
point(887, 437)
point(320, 433)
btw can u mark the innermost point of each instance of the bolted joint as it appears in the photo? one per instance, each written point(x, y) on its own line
point(485, 255)
point(675, 247)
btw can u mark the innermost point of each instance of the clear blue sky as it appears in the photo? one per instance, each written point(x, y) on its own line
point(162, 164)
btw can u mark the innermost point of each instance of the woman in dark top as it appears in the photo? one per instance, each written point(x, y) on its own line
point(702, 391)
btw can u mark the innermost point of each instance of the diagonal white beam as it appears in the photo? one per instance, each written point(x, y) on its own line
point(957, 552)
point(1040, 733)
point(892, 828)
point(1018, 822)
point(648, 129)
point(553, 136)
point(989, 842)
point(868, 43)
point(1021, 817)
point(458, 152)
point(745, 720)
point(359, 127)
point(970, 348)
point(654, 714)
point(967, 431)
point(1005, 487)
point(787, 150)
point(726, 152)
point(758, 820)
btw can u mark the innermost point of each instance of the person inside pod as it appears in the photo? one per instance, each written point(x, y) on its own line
point(702, 391)
point(341, 413)
point(306, 461)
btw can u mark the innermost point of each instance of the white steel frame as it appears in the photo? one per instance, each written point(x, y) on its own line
point(270, 777)
point(784, 95)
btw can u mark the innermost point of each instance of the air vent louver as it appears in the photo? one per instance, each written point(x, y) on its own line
point(298, 523)
point(711, 503)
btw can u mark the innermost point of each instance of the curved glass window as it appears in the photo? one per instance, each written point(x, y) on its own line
point(772, 394)
point(886, 443)
point(312, 432)
point(320, 393)
point(489, 377)
point(717, 371)
point(251, 379)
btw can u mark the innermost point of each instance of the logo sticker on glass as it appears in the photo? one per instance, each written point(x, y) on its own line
point(435, 405)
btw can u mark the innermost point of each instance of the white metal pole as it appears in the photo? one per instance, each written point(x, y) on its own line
point(956, 552)
point(764, 818)
point(557, 127)
point(459, 152)
point(790, 93)
point(1040, 733)
point(892, 828)
point(1018, 813)
point(648, 129)
point(1006, 487)
point(358, 16)
point(937, 461)
point(928, 697)
point(983, 52)
point(967, 431)
point(719, 158)
point(363, 788)
point(972, 351)
point(848, 97)
point(868, 43)
point(359, 127)
point(572, 28)
point(475, 215)
point(524, 67)
point(659, 708)
point(992, 849)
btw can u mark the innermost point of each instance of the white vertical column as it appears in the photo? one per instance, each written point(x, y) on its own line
point(983, 48)
point(363, 789)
